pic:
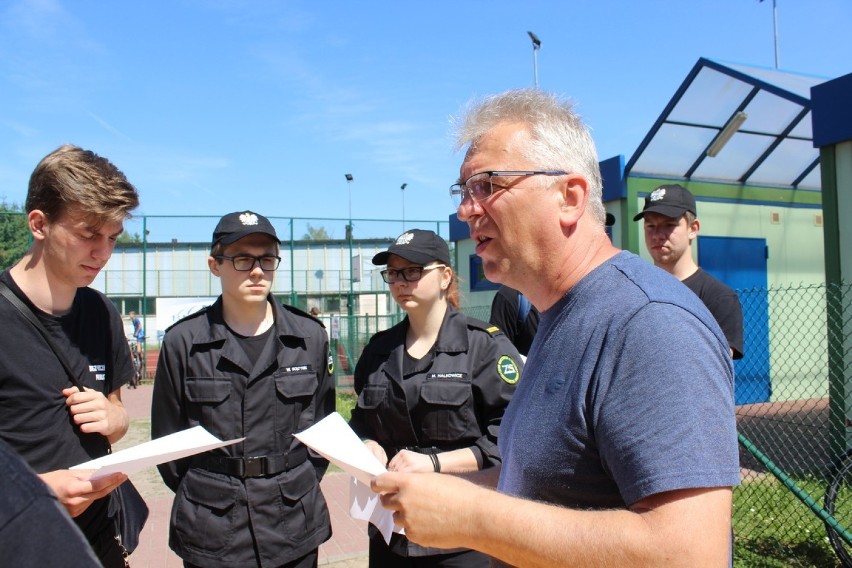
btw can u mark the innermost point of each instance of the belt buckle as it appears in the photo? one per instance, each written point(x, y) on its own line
point(254, 467)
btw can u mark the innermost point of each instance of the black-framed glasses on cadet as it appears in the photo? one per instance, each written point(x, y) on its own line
point(246, 263)
point(409, 273)
point(480, 186)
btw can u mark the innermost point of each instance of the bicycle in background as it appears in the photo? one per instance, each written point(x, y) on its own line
point(138, 362)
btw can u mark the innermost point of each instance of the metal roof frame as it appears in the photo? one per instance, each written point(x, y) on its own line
point(773, 147)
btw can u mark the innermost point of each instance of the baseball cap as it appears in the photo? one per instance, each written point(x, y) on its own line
point(234, 226)
point(418, 246)
point(671, 200)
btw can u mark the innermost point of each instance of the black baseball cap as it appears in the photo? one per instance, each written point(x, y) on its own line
point(234, 226)
point(418, 246)
point(671, 200)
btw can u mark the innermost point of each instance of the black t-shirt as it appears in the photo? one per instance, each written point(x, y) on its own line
point(504, 314)
point(724, 304)
point(34, 418)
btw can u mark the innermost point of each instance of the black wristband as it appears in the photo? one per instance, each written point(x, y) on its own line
point(435, 463)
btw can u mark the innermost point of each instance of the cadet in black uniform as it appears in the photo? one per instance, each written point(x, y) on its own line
point(245, 366)
point(431, 389)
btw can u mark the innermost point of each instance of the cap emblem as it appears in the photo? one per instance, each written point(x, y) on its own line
point(404, 238)
point(248, 219)
point(658, 194)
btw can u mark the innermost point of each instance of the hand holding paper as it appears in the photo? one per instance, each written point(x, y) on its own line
point(334, 440)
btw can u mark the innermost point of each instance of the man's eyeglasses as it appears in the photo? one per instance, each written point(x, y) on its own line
point(481, 186)
point(246, 263)
point(409, 274)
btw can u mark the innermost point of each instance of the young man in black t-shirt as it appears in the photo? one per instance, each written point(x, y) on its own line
point(671, 225)
point(76, 206)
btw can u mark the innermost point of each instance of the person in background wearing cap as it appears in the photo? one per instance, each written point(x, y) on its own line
point(245, 366)
point(619, 447)
point(431, 389)
point(671, 225)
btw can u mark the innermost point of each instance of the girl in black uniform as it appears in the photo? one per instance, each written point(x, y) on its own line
point(431, 389)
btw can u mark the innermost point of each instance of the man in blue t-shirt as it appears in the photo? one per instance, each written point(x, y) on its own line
point(619, 447)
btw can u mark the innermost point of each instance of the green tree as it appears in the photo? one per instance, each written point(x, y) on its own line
point(126, 238)
point(14, 235)
point(316, 234)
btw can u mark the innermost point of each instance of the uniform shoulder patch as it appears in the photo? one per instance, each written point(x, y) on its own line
point(330, 365)
point(485, 326)
point(507, 369)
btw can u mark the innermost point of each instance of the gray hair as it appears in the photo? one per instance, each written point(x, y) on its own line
point(560, 139)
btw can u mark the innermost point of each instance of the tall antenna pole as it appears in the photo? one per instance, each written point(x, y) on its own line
point(775, 28)
point(536, 46)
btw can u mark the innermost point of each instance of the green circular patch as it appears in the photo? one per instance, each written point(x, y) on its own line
point(508, 370)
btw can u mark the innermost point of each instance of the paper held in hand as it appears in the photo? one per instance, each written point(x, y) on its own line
point(174, 446)
point(334, 440)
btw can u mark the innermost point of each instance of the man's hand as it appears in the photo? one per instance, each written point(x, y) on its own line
point(76, 491)
point(95, 414)
point(421, 504)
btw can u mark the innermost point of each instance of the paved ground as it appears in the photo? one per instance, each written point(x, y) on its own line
point(346, 549)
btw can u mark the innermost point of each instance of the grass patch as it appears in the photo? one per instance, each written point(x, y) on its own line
point(345, 404)
point(773, 528)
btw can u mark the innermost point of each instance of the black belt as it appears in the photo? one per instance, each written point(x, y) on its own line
point(254, 466)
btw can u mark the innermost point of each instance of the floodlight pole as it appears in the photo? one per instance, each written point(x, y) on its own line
point(536, 46)
point(349, 307)
point(402, 187)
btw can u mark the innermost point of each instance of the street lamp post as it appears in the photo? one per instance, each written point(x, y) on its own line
point(536, 46)
point(402, 187)
point(349, 307)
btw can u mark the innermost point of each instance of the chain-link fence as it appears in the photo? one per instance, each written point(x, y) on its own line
point(792, 422)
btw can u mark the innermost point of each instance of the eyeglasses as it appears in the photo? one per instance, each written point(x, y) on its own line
point(246, 263)
point(481, 186)
point(409, 274)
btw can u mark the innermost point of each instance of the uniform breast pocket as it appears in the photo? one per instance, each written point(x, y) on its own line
point(206, 398)
point(372, 397)
point(447, 410)
point(295, 392)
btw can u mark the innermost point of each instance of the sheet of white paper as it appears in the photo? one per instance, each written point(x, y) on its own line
point(364, 505)
point(334, 440)
point(174, 446)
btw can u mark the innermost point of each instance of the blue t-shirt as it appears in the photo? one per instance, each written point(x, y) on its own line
point(627, 392)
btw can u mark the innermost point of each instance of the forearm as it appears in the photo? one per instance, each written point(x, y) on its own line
point(666, 536)
point(457, 461)
point(688, 527)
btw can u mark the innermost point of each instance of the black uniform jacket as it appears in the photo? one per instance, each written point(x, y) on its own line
point(204, 377)
point(462, 388)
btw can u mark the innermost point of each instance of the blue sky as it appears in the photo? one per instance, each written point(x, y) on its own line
point(211, 106)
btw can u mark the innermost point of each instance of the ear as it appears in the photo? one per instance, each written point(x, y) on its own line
point(37, 223)
point(692, 230)
point(573, 195)
point(213, 265)
point(446, 278)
